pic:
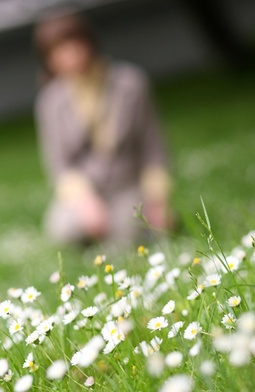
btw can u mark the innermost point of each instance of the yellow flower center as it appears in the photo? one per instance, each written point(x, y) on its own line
point(213, 281)
point(17, 327)
point(30, 296)
point(31, 364)
point(157, 325)
point(231, 265)
point(193, 331)
point(113, 331)
point(6, 310)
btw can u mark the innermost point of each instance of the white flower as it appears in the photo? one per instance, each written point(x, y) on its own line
point(194, 294)
point(155, 364)
point(232, 264)
point(6, 308)
point(234, 301)
point(85, 282)
point(23, 384)
point(177, 383)
point(157, 323)
point(185, 312)
point(8, 376)
point(120, 308)
point(66, 292)
point(30, 295)
point(118, 277)
point(247, 240)
point(4, 366)
point(14, 293)
point(16, 326)
point(70, 317)
point(239, 357)
point(174, 359)
point(153, 275)
point(88, 354)
point(32, 338)
point(195, 350)
point(45, 326)
point(156, 259)
point(212, 280)
point(175, 329)
point(89, 382)
point(57, 370)
point(111, 332)
point(155, 343)
point(246, 323)
point(228, 320)
point(90, 311)
point(207, 368)
point(169, 307)
point(29, 363)
point(192, 330)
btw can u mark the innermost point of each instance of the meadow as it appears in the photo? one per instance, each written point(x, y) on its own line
point(138, 335)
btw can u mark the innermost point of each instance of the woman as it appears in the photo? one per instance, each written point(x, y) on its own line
point(99, 136)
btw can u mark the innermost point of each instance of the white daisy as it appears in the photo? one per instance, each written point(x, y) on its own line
point(30, 295)
point(70, 317)
point(195, 294)
point(4, 366)
point(228, 320)
point(16, 326)
point(29, 363)
point(232, 264)
point(89, 382)
point(66, 292)
point(6, 308)
point(169, 307)
point(32, 338)
point(178, 383)
point(192, 330)
point(90, 311)
point(174, 359)
point(212, 280)
point(234, 301)
point(14, 293)
point(57, 370)
point(157, 323)
point(175, 329)
point(45, 326)
point(24, 384)
point(156, 259)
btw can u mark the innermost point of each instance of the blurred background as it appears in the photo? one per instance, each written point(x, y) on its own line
point(201, 58)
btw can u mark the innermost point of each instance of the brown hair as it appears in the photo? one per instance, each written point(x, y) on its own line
point(56, 29)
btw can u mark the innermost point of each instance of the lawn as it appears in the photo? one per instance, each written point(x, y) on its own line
point(209, 129)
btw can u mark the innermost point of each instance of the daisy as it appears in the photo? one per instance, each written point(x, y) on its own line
point(175, 329)
point(90, 311)
point(212, 280)
point(157, 323)
point(192, 330)
point(66, 292)
point(247, 240)
point(178, 383)
point(6, 308)
point(195, 350)
point(23, 384)
point(14, 293)
point(155, 343)
point(29, 363)
point(30, 295)
point(111, 332)
point(85, 282)
point(207, 368)
point(153, 275)
point(55, 277)
point(194, 294)
point(234, 301)
point(8, 376)
point(32, 338)
point(4, 367)
point(45, 326)
point(70, 317)
point(169, 307)
point(57, 370)
point(232, 264)
point(174, 359)
point(16, 326)
point(155, 364)
point(156, 259)
point(99, 260)
point(89, 382)
point(228, 320)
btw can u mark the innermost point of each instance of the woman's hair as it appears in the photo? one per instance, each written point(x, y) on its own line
point(60, 28)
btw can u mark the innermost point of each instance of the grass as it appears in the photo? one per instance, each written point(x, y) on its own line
point(209, 122)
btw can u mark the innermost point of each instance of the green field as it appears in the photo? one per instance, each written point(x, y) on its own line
point(209, 128)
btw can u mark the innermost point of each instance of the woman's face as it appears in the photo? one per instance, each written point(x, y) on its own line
point(70, 58)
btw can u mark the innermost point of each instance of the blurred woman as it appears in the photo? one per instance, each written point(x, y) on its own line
point(99, 136)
